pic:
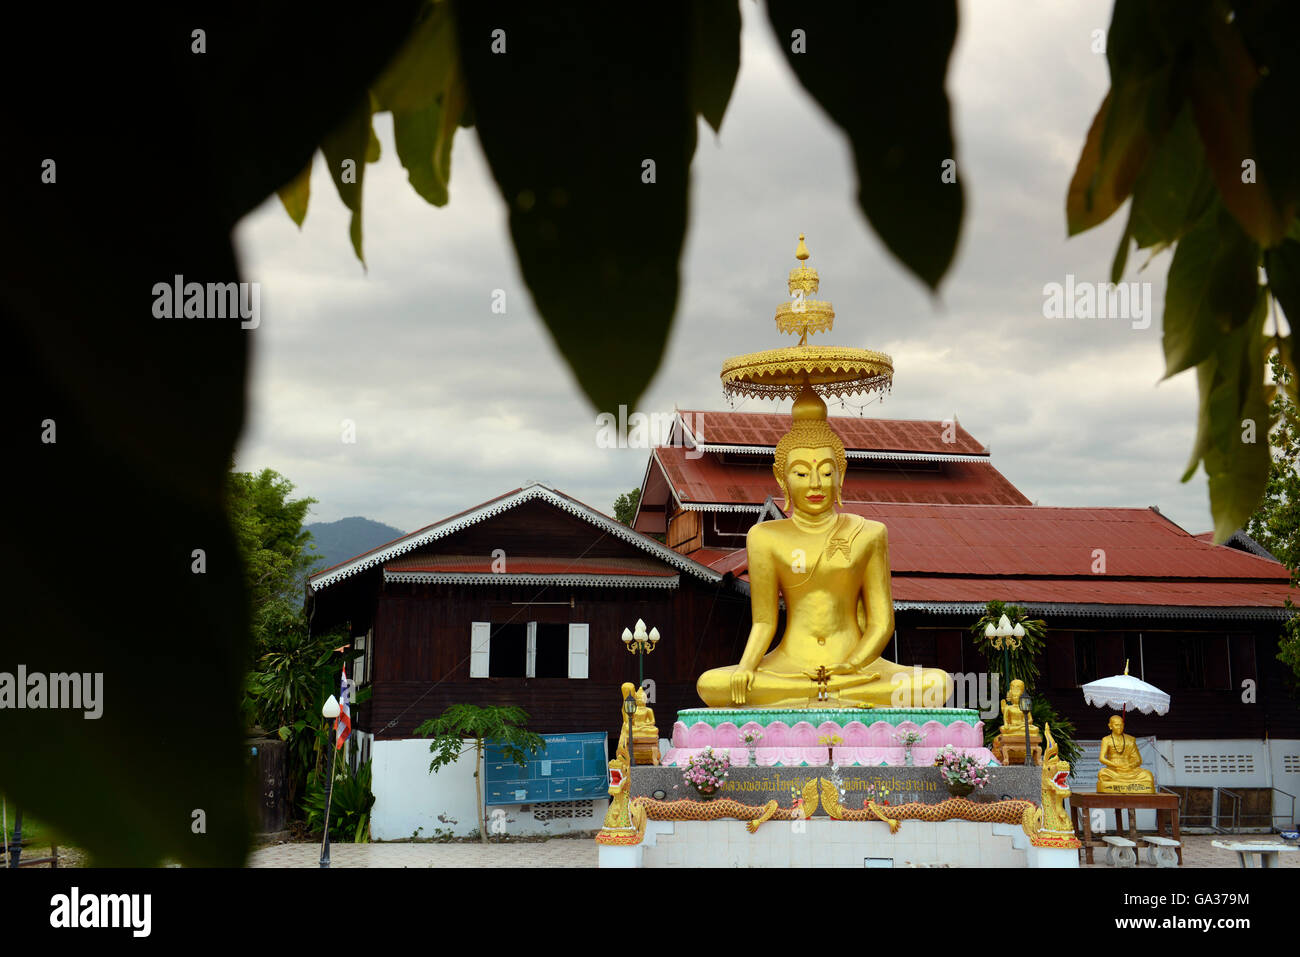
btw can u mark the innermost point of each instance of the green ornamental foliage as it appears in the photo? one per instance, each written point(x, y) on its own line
point(350, 803)
point(1020, 663)
point(1198, 130)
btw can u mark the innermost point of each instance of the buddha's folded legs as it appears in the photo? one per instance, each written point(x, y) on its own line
point(894, 686)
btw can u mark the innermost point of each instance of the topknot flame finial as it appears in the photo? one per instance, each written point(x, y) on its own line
point(801, 253)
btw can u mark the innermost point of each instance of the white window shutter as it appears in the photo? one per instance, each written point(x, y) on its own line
point(359, 670)
point(530, 663)
point(578, 640)
point(480, 646)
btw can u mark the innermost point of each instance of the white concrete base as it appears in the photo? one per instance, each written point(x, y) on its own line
point(821, 842)
point(1053, 857)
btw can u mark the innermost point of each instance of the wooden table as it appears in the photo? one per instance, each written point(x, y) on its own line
point(1165, 804)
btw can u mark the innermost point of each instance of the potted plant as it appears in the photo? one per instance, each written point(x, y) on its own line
point(707, 772)
point(751, 739)
point(908, 739)
point(962, 773)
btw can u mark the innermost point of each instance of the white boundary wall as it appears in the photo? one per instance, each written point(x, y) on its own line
point(408, 798)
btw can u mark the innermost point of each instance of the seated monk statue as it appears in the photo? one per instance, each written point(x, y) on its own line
point(1122, 771)
point(1013, 719)
point(833, 570)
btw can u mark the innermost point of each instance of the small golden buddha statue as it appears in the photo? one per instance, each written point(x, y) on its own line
point(833, 570)
point(1122, 771)
point(1013, 719)
point(645, 733)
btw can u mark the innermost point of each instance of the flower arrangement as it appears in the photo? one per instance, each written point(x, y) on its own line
point(961, 771)
point(751, 738)
point(707, 771)
point(908, 738)
point(829, 741)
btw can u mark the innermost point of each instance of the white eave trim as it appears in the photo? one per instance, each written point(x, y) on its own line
point(1238, 612)
point(451, 526)
point(492, 578)
point(861, 454)
point(719, 507)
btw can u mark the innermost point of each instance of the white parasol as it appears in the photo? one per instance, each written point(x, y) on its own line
point(1124, 691)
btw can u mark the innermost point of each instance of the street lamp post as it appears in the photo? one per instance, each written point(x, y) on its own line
point(329, 713)
point(1006, 637)
point(640, 644)
point(1026, 704)
point(629, 709)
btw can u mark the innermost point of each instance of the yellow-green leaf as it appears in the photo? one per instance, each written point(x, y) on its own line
point(295, 194)
point(345, 149)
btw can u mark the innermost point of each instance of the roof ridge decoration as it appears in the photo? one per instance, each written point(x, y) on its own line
point(465, 519)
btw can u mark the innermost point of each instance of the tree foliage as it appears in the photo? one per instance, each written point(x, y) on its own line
point(1198, 131)
point(1276, 525)
point(625, 506)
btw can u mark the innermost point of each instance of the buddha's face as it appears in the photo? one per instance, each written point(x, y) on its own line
point(1116, 724)
point(1015, 691)
point(811, 479)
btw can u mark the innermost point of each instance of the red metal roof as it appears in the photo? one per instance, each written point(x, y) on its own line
point(1045, 540)
point(482, 565)
point(881, 435)
point(706, 478)
point(1045, 554)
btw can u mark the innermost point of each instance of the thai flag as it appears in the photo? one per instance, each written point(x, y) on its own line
point(343, 723)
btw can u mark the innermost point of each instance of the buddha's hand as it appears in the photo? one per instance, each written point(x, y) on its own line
point(741, 681)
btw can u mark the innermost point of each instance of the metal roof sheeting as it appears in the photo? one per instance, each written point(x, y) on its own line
point(893, 435)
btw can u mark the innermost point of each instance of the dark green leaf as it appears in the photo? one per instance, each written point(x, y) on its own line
point(1222, 80)
point(1213, 286)
point(1232, 430)
point(1282, 264)
point(715, 56)
point(566, 132)
point(879, 71)
point(346, 149)
point(1174, 188)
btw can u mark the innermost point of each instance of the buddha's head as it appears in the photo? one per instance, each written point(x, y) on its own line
point(810, 461)
point(1015, 690)
point(1116, 724)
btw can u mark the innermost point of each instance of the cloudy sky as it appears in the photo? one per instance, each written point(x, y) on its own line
point(454, 404)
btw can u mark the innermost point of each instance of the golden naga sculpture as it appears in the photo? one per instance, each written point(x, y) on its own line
point(1050, 825)
point(1011, 736)
point(624, 823)
point(831, 568)
point(1122, 771)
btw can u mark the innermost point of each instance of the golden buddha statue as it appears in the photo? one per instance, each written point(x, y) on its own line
point(645, 733)
point(1013, 719)
point(1122, 771)
point(1010, 740)
point(833, 570)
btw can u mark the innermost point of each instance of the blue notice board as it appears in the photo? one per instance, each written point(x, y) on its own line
point(572, 767)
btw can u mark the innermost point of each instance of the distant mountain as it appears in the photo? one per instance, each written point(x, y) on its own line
point(348, 537)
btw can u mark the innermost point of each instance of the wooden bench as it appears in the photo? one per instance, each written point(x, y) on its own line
point(1127, 856)
point(1161, 851)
